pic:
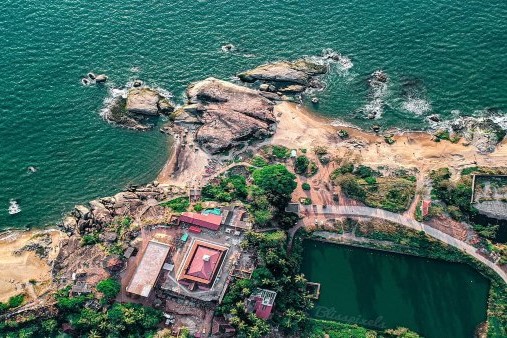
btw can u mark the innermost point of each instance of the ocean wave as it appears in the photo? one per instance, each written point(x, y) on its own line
point(416, 106)
point(379, 91)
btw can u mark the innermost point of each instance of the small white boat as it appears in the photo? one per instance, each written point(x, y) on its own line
point(14, 207)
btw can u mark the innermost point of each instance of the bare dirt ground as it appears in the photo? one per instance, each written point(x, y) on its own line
point(298, 128)
point(16, 271)
point(187, 163)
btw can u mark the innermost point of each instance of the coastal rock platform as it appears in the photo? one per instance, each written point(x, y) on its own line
point(227, 114)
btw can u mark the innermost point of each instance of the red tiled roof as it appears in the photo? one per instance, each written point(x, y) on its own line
point(210, 221)
point(262, 311)
point(425, 207)
point(194, 229)
point(204, 263)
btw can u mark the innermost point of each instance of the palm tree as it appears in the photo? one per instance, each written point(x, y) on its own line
point(94, 334)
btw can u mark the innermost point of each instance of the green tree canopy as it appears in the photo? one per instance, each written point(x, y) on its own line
point(275, 180)
point(109, 287)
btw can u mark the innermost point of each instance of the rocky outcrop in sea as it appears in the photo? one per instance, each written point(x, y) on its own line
point(286, 76)
point(133, 108)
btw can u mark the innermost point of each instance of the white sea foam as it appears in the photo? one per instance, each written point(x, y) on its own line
point(378, 93)
point(331, 57)
point(416, 106)
point(110, 100)
point(228, 48)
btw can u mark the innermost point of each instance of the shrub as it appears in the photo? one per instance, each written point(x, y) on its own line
point(301, 165)
point(307, 201)
point(343, 133)
point(344, 169)
point(364, 171)
point(90, 239)
point(109, 287)
point(389, 140)
point(280, 152)
point(320, 150)
point(312, 169)
point(259, 161)
point(470, 170)
point(198, 207)
point(305, 186)
point(370, 180)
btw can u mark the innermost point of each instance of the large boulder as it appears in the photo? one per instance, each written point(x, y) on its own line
point(143, 101)
point(297, 72)
point(130, 110)
point(229, 113)
point(482, 132)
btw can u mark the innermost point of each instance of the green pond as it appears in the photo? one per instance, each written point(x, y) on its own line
point(384, 290)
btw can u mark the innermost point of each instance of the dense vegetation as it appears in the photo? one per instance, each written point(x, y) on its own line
point(321, 328)
point(266, 198)
point(278, 271)
point(393, 193)
point(109, 288)
point(12, 303)
point(88, 317)
point(454, 197)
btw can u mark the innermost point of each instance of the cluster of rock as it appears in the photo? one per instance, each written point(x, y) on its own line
point(285, 76)
point(91, 78)
point(102, 211)
point(225, 114)
point(483, 133)
point(41, 245)
point(139, 103)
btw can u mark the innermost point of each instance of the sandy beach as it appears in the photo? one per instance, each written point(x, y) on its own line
point(18, 270)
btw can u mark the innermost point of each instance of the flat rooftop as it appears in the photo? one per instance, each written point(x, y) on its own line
point(148, 269)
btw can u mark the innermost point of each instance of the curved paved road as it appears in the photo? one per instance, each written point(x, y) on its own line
point(331, 210)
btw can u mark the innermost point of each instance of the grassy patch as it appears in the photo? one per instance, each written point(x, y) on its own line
point(368, 186)
point(179, 204)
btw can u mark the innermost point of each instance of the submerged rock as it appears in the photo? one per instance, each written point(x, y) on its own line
point(297, 72)
point(228, 113)
point(434, 118)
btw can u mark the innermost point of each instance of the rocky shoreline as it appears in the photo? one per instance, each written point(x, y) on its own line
point(224, 115)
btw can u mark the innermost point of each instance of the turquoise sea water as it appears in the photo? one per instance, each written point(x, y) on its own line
point(443, 56)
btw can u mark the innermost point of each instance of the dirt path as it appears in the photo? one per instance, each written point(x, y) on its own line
point(337, 211)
